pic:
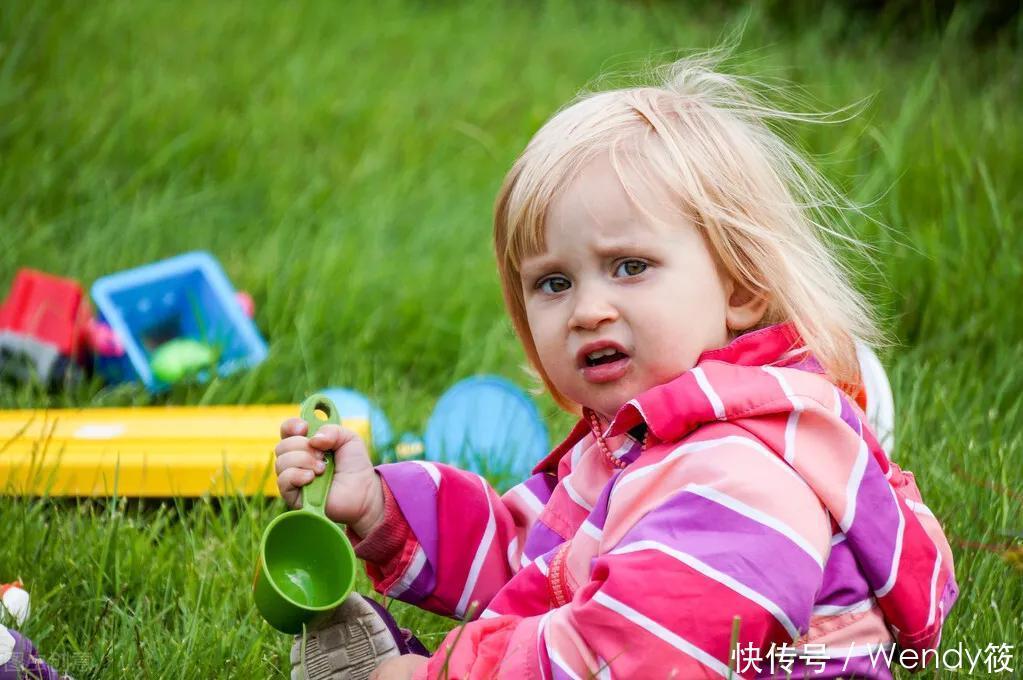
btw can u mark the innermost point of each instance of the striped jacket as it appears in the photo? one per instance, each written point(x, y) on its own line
point(760, 511)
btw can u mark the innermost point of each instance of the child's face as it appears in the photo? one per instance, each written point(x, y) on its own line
point(616, 282)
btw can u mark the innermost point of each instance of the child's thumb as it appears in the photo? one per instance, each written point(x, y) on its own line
point(325, 439)
point(331, 438)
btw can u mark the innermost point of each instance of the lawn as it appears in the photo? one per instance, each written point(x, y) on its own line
point(341, 162)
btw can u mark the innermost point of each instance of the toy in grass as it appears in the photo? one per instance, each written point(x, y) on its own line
point(488, 425)
point(44, 326)
point(306, 564)
point(158, 323)
point(877, 401)
point(184, 297)
point(181, 357)
point(156, 451)
point(15, 603)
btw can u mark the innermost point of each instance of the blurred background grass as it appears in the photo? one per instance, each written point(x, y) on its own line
point(341, 162)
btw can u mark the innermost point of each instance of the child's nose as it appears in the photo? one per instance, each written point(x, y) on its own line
point(592, 308)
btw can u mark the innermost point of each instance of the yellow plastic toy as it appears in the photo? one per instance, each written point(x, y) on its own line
point(144, 452)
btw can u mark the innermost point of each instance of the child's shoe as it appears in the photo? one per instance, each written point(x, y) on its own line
point(352, 642)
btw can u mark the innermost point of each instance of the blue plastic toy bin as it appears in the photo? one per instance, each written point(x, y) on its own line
point(187, 296)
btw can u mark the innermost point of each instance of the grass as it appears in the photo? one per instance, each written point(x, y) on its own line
point(341, 162)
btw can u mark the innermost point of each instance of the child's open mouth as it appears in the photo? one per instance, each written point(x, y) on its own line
point(604, 363)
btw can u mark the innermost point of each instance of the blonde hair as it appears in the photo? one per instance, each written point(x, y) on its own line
point(761, 206)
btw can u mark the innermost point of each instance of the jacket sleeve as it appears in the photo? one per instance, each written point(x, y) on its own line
point(448, 541)
point(715, 534)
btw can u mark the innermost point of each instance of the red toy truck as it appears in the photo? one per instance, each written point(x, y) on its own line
point(44, 327)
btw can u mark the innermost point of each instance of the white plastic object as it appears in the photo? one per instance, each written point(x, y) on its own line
point(16, 602)
point(880, 403)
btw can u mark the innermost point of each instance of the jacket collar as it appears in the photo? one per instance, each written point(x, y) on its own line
point(669, 411)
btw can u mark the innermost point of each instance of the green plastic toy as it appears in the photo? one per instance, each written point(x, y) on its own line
point(306, 564)
point(175, 359)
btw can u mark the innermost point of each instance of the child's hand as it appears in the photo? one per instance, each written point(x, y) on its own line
point(355, 496)
point(398, 667)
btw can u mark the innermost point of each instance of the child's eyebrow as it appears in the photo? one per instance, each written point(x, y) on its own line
point(535, 263)
point(623, 247)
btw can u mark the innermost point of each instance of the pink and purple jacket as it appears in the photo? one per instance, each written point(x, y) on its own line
point(759, 494)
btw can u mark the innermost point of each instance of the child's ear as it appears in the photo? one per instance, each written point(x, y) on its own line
point(745, 308)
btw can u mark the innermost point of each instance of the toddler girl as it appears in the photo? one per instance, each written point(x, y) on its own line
point(721, 504)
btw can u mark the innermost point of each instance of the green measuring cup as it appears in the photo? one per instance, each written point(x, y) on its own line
point(306, 564)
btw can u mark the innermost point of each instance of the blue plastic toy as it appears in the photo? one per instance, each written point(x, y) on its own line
point(487, 425)
point(184, 297)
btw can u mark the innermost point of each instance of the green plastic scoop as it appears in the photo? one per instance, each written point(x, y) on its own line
point(306, 564)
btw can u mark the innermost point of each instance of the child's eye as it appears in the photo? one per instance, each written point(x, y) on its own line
point(554, 284)
point(630, 268)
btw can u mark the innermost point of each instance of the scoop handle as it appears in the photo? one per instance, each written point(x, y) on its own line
point(314, 494)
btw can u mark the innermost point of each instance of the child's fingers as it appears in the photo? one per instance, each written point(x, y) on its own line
point(304, 460)
point(293, 426)
point(296, 443)
point(331, 438)
point(291, 480)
